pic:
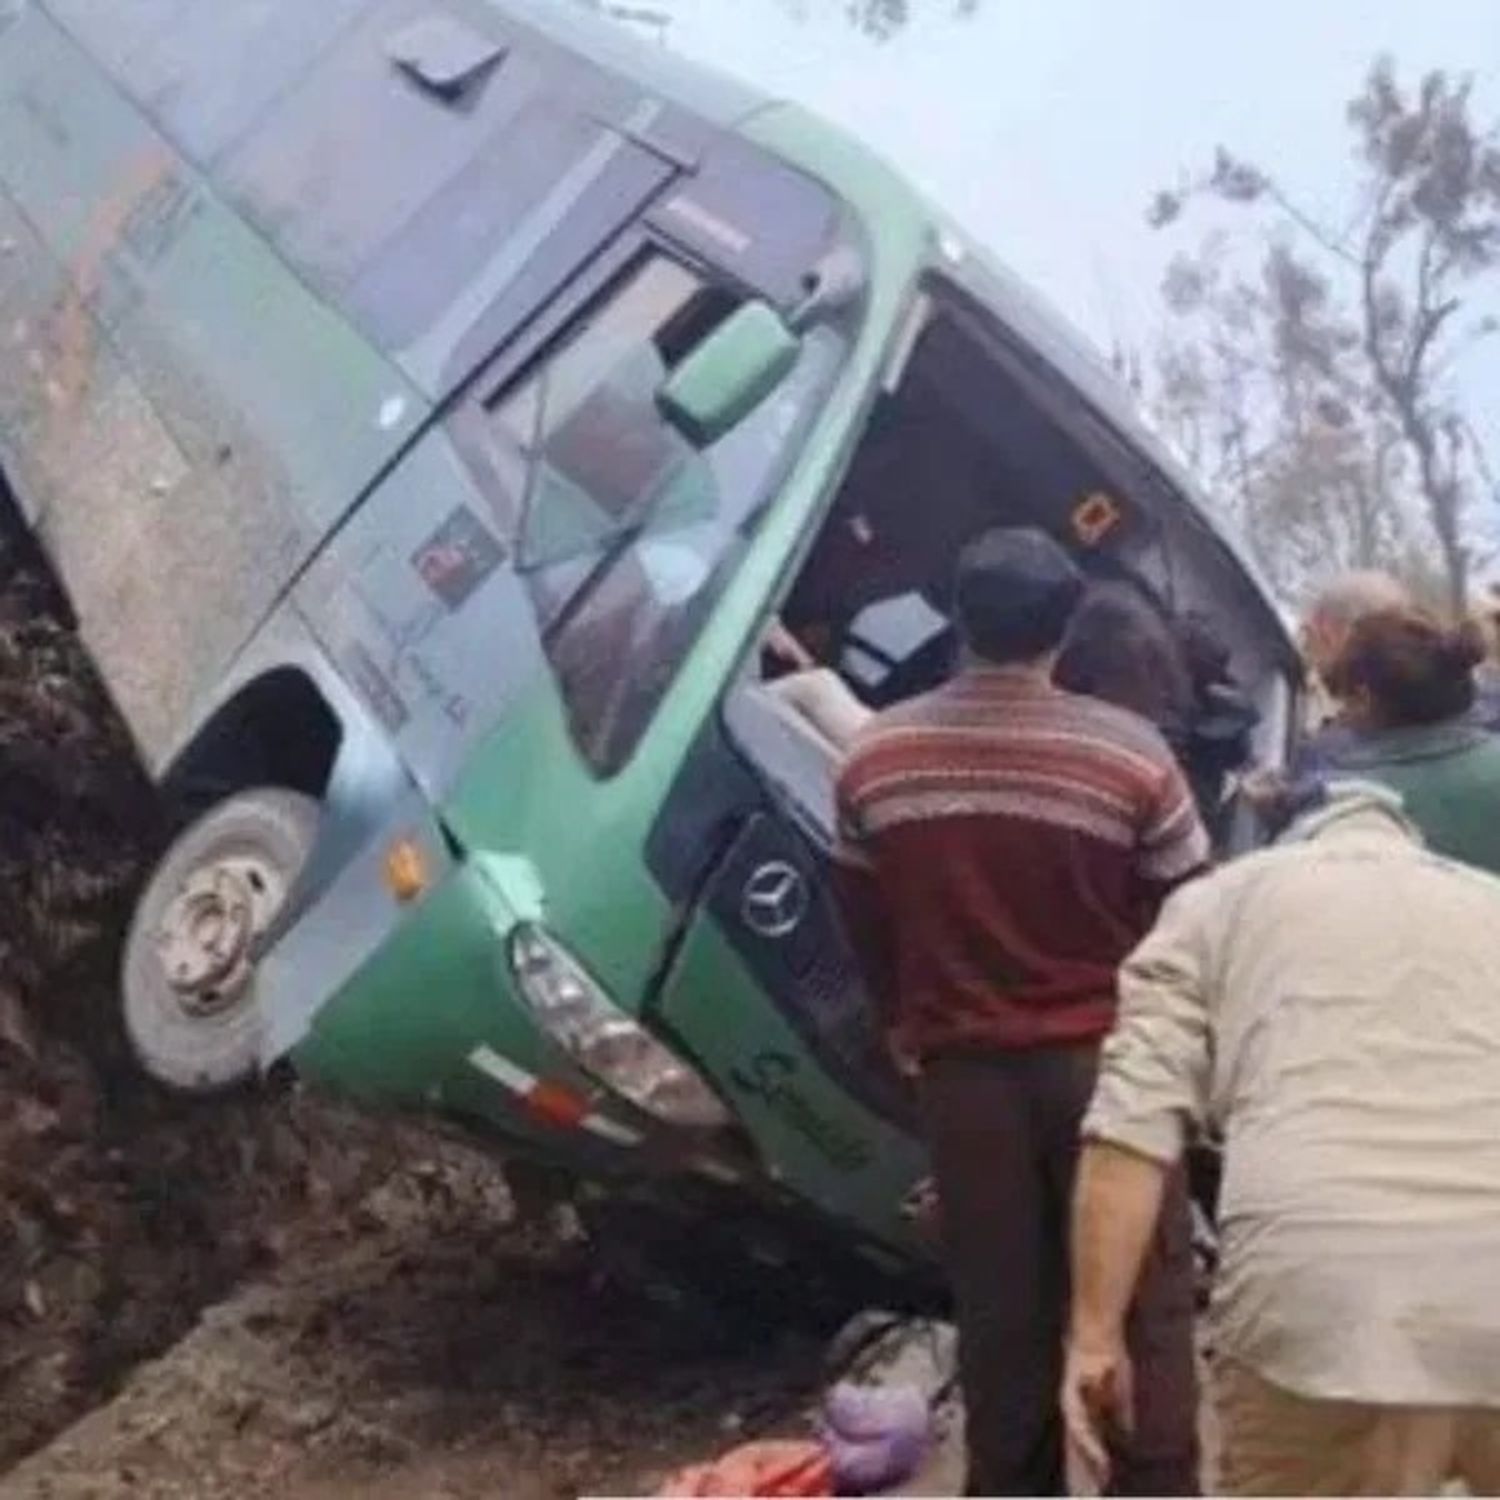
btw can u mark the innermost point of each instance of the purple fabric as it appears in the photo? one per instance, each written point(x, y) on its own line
point(876, 1436)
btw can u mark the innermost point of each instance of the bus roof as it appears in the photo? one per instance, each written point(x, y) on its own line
point(714, 96)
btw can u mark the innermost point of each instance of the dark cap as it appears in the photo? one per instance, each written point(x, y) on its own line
point(1016, 591)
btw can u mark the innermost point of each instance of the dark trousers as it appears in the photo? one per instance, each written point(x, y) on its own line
point(1003, 1130)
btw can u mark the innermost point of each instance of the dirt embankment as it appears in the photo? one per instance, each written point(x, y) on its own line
point(274, 1291)
point(428, 1348)
point(116, 1223)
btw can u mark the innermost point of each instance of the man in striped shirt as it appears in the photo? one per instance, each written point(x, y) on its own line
point(1004, 846)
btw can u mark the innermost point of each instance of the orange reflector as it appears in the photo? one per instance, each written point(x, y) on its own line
point(556, 1104)
point(1094, 518)
point(406, 872)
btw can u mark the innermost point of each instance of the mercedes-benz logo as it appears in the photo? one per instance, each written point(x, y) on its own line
point(775, 899)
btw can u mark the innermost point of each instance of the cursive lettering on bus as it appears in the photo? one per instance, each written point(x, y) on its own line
point(769, 1077)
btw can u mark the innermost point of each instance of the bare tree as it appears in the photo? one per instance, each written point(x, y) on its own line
point(649, 18)
point(880, 19)
point(884, 18)
point(1426, 235)
point(1258, 381)
point(1207, 394)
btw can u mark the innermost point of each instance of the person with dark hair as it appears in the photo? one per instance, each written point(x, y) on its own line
point(1119, 648)
point(1407, 690)
point(1219, 743)
point(1487, 673)
point(1338, 607)
point(1003, 846)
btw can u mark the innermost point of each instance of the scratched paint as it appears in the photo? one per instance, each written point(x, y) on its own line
point(73, 333)
point(182, 409)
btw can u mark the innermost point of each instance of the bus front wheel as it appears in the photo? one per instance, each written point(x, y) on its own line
point(193, 949)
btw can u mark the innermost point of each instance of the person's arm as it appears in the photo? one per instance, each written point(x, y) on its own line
point(827, 702)
point(869, 930)
point(1153, 1081)
point(1172, 843)
point(781, 642)
point(1117, 1201)
point(862, 904)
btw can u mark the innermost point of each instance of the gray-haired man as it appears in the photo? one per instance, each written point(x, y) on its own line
point(1330, 1005)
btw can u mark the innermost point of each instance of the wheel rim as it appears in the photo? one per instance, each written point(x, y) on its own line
point(208, 940)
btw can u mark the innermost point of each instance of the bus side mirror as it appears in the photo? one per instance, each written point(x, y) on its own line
point(729, 374)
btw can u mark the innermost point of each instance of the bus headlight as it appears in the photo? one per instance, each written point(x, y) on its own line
point(605, 1042)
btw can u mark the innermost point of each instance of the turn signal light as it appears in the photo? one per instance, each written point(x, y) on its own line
point(556, 1104)
point(610, 1046)
point(406, 872)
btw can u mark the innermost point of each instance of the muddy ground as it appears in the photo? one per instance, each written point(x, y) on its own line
point(427, 1348)
point(274, 1291)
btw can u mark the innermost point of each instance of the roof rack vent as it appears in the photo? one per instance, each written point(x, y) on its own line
point(444, 56)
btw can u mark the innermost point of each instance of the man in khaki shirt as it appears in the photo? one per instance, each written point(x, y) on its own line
point(1333, 1007)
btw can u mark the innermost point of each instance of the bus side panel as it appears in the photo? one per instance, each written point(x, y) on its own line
point(183, 421)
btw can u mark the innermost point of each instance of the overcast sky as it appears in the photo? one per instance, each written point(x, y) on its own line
point(1046, 125)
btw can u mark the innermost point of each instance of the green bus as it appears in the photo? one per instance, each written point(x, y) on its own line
point(431, 409)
